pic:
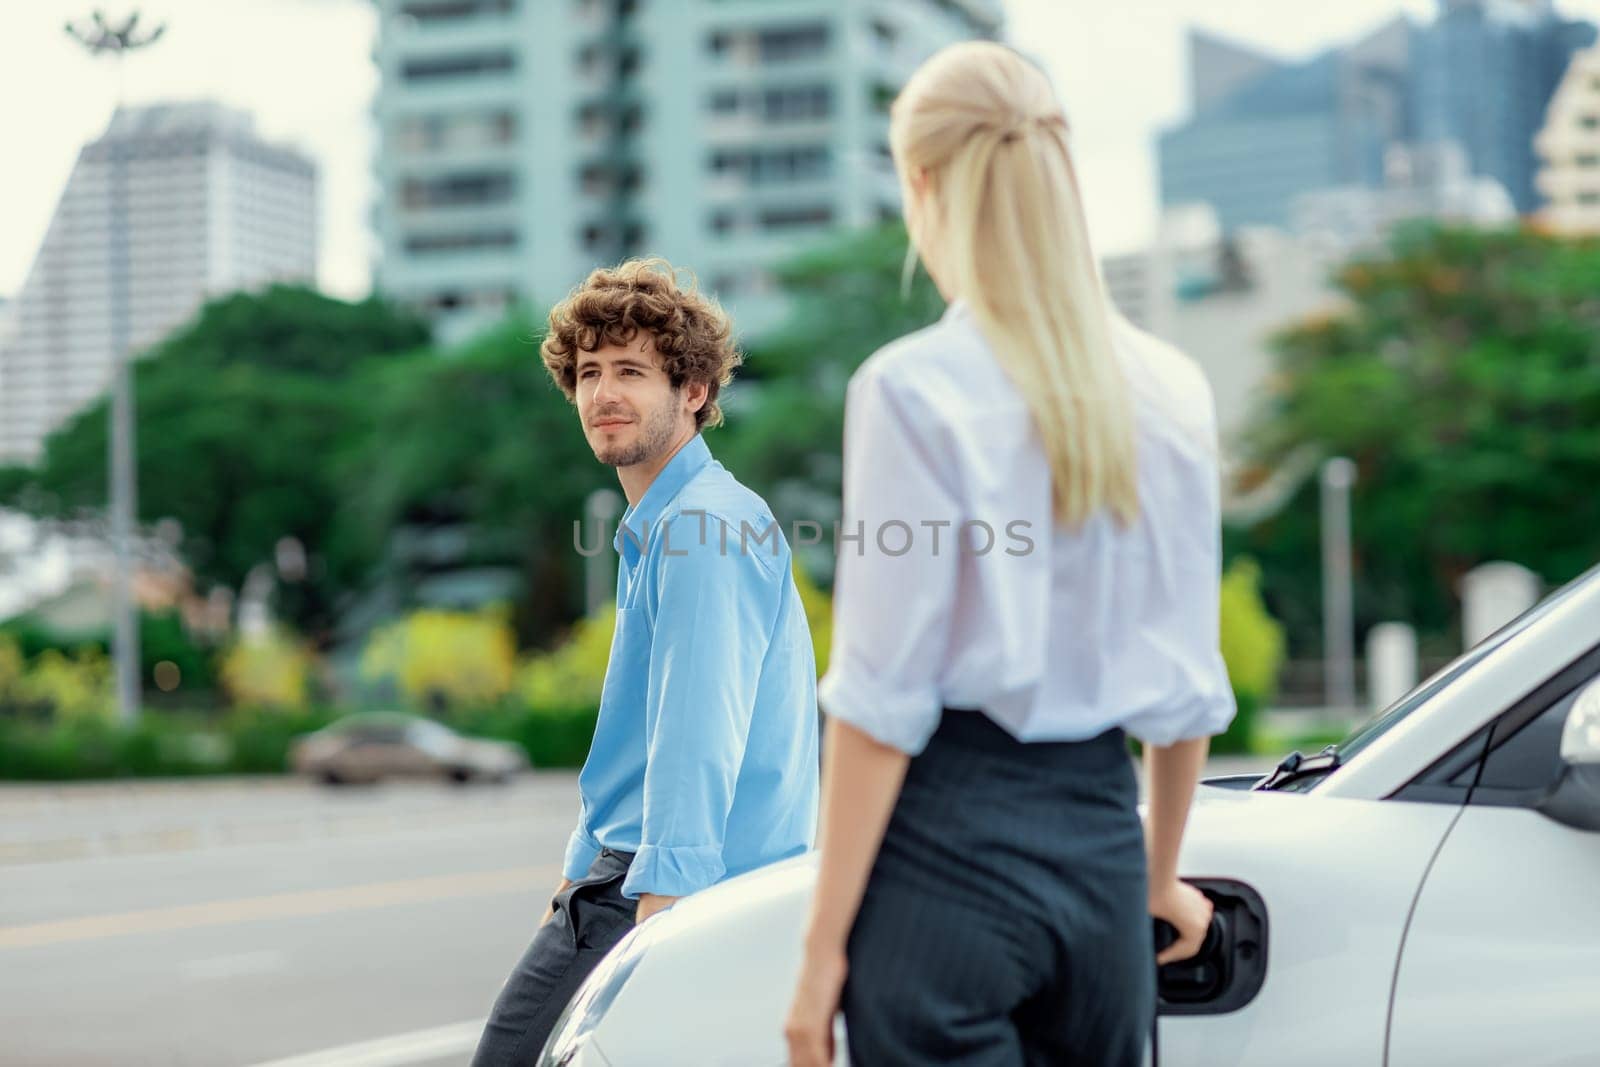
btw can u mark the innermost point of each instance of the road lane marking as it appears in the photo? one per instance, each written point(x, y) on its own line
point(212, 968)
point(276, 906)
point(416, 1047)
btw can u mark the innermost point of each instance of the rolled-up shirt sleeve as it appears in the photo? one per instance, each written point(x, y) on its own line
point(582, 849)
point(717, 601)
point(895, 582)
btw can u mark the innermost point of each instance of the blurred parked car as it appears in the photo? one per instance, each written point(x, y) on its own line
point(376, 745)
point(1424, 893)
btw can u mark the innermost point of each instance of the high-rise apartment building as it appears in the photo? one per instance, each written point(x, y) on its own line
point(1265, 131)
point(524, 142)
point(1569, 150)
point(207, 207)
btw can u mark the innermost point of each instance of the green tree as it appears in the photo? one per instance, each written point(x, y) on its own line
point(238, 414)
point(786, 411)
point(473, 462)
point(1463, 377)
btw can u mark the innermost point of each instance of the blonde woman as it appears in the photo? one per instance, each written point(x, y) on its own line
point(1034, 487)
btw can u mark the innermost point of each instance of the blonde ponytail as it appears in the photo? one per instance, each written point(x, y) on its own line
point(983, 125)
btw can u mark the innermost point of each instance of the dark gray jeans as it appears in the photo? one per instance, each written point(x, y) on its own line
point(591, 916)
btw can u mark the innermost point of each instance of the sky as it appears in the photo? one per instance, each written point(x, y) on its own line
point(304, 69)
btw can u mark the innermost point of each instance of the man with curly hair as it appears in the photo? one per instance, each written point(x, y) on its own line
point(704, 761)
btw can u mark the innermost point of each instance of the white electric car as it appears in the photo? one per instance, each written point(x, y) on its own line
point(1427, 892)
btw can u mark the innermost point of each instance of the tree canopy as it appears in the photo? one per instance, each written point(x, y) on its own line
point(1463, 378)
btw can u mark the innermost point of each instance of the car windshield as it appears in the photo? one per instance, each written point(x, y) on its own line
point(1396, 713)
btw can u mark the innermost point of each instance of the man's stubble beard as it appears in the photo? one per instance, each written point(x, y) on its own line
point(655, 433)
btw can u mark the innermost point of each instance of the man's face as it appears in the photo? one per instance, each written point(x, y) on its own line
point(630, 411)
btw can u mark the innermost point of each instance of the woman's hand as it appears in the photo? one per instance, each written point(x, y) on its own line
point(809, 1028)
point(1189, 912)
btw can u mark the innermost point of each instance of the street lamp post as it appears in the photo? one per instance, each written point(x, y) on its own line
point(1338, 623)
point(102, 38)
point(599, 573)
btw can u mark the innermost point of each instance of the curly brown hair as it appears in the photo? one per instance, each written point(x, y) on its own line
point(692, 334)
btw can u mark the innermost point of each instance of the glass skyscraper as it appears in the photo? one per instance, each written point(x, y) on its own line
point(1265, 131)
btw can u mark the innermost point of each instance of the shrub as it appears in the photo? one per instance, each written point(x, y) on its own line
point(819, 616)
point(574, 673)
point(69, 687)
point(270, 671)
point(444, 659)
point(1253, 649)
point(552, 735)
point(163, 744)
point(10, 668)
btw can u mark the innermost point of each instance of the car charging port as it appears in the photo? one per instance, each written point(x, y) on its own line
point(1231, 965)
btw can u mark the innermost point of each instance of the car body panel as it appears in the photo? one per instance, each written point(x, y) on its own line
point(702, 955)
point(1502, 957)
point(1401, 931)
point(1338, 877)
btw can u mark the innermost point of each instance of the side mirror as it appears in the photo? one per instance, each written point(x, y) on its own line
point(1575, 798)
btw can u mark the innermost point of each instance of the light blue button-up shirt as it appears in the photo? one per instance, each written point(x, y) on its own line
point(704, 761)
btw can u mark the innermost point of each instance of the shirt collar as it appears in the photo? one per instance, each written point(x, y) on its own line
point(956, 309)
point(641, 518)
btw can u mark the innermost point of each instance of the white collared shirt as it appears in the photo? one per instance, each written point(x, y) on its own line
point(1055, 634)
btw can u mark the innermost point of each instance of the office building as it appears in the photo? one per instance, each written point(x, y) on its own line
point(1569, 150)
point(208, 208)
point(523, 143)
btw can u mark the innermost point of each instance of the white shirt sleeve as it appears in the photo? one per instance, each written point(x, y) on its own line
point(895, 585)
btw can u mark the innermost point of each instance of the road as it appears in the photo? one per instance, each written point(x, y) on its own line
point(244, 922)
point(238, 923)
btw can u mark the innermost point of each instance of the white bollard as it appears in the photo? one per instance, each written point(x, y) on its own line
point(1391, 663)
point(1492, 595)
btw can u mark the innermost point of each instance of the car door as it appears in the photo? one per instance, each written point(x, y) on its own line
point(377, 750)
point(1501, 959)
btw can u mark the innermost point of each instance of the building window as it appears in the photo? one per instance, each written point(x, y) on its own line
point(722, 223)
point(594, 179)
point(446, 10)
point(472, 240)
point(1589, 199)
point(725, 102)
point(778, 45)
point(797, 103)
point(773, 166)
point(465, 65)
point(454, 300)
point(466, 189)
point(790, 218)
point(1588, 159)
point(883, 96)
point(430, 133)
point(1590, 122)
point(791, 43)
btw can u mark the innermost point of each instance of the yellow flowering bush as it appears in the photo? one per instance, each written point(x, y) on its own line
point(76, 687)
point(819, 616)
point(437, 658)
point(1252, 647)
point(10, 668)
point(271, 671)
point(573, 673)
